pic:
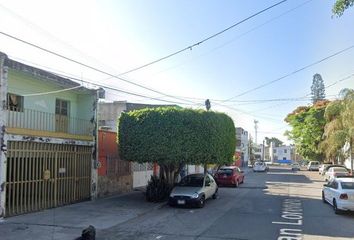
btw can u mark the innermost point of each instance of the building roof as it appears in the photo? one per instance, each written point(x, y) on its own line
point(42, 74)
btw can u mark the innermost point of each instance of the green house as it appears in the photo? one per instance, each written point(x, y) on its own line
point(47, 136)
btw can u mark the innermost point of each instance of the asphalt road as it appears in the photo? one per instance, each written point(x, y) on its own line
point(280, 204)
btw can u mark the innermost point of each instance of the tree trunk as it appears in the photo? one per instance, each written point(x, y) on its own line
point(351, 156)
point(169, 172)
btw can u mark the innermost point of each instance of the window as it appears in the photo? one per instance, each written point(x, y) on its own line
point(347, 185)
point(274, 151)
point(14, 102)
point(207, 180)
point(285, 150)
point(62, 107)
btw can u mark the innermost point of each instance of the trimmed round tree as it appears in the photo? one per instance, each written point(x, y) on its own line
point(173, 137)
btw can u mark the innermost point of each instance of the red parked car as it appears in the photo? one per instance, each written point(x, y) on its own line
point(229, 176)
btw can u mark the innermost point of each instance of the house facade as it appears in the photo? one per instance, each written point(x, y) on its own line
point(242, 145)
point(281, 153)
point(47, 137)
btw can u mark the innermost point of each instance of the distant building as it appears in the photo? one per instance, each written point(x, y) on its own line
point(242, 148)
point(280, 153)
point(258, 152)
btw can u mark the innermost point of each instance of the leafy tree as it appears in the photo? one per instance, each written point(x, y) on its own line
point(339, 128)
point(340, 6)
point(334, 133)
point(275, 140)
point(307, 129)
point(251, 150)
point(317, 88)
point(348, 122)
point(173, 137)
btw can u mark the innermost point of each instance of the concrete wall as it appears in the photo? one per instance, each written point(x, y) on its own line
point(114, 185)
point(110, 112)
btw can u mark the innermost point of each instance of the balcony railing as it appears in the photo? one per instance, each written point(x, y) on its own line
point(43, 121)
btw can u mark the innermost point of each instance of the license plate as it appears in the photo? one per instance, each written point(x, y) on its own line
point(181, 202)
point(225, 176)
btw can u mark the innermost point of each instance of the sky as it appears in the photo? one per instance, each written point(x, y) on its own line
point(245, 71)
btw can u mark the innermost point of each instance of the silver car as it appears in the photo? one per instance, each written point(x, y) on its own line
point(193, 189)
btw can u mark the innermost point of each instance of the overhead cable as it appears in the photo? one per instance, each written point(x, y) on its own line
point(292, 73)
point(190, 47)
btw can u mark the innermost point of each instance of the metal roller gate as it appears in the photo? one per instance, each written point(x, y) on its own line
point(45, 175)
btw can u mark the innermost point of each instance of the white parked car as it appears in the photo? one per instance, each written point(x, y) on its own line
point(260, 167)
point(322, 169)
point(295, 167)
point(193, 189)
point(334, 172)
point(313, 166)
point(339, 192)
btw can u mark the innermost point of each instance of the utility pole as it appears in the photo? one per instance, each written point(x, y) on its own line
point(263, 151)
point(255, 129)
point(207, 106)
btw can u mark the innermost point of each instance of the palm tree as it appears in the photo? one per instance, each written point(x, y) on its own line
point(348, 123)
point(339, 129)
point(334, 134)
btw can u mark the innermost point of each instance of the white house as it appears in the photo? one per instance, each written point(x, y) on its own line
point(242, 145)
point(280, 153)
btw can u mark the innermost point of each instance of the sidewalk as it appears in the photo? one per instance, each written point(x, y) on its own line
point(67, 222)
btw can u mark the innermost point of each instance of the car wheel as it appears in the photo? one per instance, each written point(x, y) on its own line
point(323, 197)
point(215, 195)
point(335, 207)
point(201, 202)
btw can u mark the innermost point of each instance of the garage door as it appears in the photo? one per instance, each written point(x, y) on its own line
point(44, 175)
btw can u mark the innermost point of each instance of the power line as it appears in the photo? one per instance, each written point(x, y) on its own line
point(236, 38)
point(51, 92)
point(190, 47)
point(145, 65)
point(86, 65)
point(272, 106)
point(309, 94)
point(108, 87)
point(292, 73)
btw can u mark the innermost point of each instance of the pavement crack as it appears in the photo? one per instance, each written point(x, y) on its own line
point(40, 224)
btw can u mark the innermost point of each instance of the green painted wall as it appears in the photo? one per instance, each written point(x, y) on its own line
point(81, 104)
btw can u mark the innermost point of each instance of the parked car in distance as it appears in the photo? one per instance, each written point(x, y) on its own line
point(260, 167)
point(323, 168)
point(334, 172)
point(193, 189)
point(330, 166)
point(313, 166)
point(295, 167)
point(339, 192)
point(229, 176)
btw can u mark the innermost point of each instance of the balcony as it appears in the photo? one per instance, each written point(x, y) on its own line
point(32, 122)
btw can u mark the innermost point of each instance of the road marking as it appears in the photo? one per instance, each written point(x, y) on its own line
point(293, 215)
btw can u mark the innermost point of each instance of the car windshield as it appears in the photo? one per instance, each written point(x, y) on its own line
point(337, 169)
point(227, 172)
point(259, 164)
point(347, 185)
point(192, 181)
